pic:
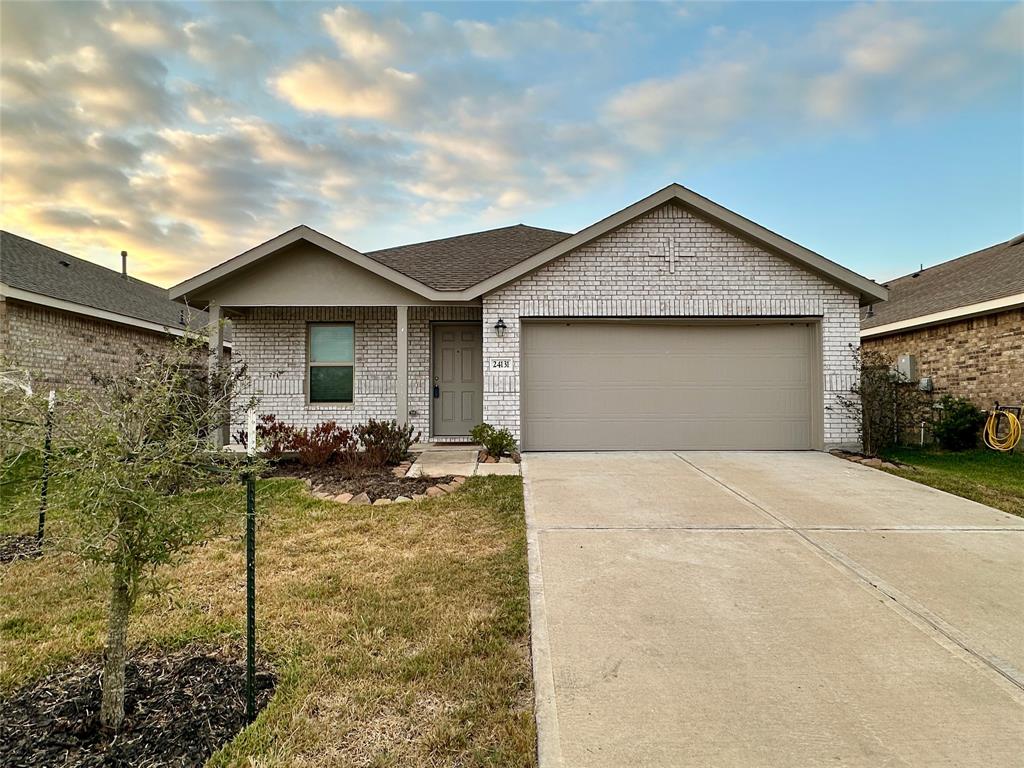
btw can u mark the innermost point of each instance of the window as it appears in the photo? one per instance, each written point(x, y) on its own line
point(331, 361)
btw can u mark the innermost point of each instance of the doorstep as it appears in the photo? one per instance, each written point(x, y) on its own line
point(437, 462)
point(459, 459)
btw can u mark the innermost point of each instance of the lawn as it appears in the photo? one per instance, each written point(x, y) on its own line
point(400, 633)
point(984, 475)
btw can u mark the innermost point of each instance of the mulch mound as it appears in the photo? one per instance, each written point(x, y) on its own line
point(377, 484)
point(18, 546)
point(179, 709)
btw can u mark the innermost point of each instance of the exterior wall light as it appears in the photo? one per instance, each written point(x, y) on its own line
point(499, 328)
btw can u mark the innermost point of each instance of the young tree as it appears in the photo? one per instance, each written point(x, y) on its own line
point(138, 479)
point(885, 405)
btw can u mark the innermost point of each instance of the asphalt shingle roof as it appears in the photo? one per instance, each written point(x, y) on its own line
point(984, 275)
point(35, 267)
point(456, 263)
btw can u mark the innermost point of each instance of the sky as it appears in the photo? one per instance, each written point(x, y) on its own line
point(881, 135)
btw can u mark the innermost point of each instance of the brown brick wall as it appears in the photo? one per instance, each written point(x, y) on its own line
point(63, 349)
point(981, 358)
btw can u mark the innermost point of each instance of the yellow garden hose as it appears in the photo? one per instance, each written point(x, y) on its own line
point(1010, 438)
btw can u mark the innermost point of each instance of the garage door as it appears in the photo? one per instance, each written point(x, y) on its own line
point(628, 385)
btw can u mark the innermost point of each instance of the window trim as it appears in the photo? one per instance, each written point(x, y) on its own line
point(310, 364)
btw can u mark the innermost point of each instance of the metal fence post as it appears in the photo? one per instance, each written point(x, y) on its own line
point(250, 573)
point(47, 447)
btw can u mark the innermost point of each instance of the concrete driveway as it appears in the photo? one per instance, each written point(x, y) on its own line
point(769, 609)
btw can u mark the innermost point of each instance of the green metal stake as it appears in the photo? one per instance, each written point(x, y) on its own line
point(250, 576)
point(47, 447)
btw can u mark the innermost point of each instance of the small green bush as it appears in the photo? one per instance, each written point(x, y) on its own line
point(385, 442)
point(959, 424)
point(497, 442)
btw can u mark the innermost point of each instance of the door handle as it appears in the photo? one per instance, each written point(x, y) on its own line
point(437, 391)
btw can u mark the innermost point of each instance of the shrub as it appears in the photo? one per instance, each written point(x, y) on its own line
point(497, 442)
point(885, 406)
point(273, 437)
point(385, 442)
point(959, 424)
point(316, 446)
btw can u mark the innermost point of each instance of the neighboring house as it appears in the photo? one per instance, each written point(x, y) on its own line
point(671, 324)
point(63, 318)
point(963, 323)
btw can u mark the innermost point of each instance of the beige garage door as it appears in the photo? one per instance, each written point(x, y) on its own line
point(628, 385)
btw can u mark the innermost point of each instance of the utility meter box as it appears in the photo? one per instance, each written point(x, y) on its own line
point(906, 366)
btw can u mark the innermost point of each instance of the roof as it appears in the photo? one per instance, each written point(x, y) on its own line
point(38, 269)
point(460, 262)
point(993, 273)
point(497, 257)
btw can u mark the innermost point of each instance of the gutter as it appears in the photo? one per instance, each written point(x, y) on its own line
point(941, 318)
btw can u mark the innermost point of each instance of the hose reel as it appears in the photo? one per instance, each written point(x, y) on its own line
point(1002, 428)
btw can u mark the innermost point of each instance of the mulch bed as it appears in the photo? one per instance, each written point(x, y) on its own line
point(18, 546)
point(179, 709)
point(377, 484)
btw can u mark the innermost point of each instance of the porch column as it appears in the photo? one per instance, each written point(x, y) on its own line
point(402, 371)
point(216, 361)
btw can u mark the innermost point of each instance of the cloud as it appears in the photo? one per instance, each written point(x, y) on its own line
point(867, 63)
point(360, 37)
point(1007, 33)
point(335, 87)
point(221, 47)
point(187, 132)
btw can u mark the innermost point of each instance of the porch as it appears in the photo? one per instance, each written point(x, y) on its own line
point(307, 365)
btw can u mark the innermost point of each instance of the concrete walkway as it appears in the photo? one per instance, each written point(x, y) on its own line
point(440, 460)
point(769, 609)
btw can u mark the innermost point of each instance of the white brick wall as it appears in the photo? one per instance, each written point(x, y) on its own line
point(271, 341)
point(716, 275)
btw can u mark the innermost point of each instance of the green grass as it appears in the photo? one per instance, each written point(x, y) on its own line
point(19, 495)
point(400, 633)
point(983, 475)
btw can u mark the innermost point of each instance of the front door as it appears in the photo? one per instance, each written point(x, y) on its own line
point(457, 379)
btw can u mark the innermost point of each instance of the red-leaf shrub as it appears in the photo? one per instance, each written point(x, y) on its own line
point(273, 437)
point(316, 446)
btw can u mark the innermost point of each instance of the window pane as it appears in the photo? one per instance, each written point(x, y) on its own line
point(330, 343)
point(330, 384)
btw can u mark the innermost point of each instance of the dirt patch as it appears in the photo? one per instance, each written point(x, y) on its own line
point(18, 546)
point(179, 709)
point(483, 457)
point(377, 484)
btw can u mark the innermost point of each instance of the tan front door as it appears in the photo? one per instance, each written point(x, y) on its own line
point(457, 379)
point(664, 385)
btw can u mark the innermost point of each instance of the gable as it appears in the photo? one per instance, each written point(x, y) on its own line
point(867, 290)
point(672, 253)
point(304, 274)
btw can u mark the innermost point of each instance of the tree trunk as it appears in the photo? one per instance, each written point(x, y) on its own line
point(112, 703)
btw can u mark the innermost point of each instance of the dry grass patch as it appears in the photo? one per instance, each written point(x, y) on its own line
point(400, 633)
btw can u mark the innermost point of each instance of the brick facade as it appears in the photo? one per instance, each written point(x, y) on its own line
point(716, 274)
point(62, 349)
point(271, 341)
point(980, 358)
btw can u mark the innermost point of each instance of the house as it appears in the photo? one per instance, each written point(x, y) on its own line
point(63, 318)
point(671, 324)
point(962, 321)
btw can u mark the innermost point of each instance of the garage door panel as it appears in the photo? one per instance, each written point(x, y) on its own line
point(681, 401)
point(593, 386)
